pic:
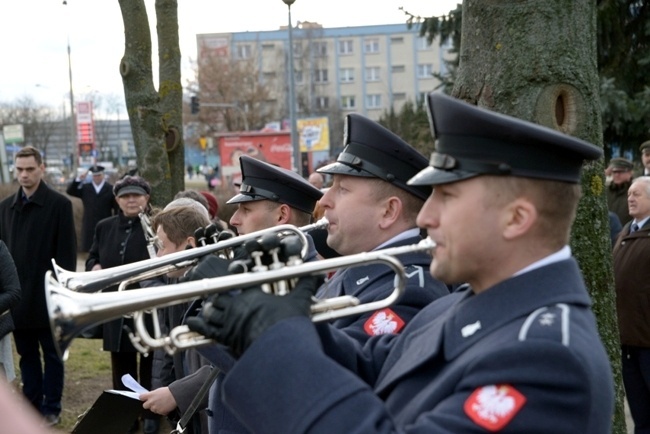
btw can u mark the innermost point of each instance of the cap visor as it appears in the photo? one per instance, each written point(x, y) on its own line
point(343, 169)
point(432, 176)
point(244, 198)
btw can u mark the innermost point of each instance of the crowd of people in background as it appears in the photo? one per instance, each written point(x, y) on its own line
point(485, 320)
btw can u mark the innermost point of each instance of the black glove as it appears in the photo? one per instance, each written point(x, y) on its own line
point(209, 266)
point(237, 320)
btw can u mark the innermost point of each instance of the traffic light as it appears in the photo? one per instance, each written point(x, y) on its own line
point(194, 105)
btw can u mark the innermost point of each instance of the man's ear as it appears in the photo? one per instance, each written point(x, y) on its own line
point(284, 214)
point(190, 243)
point(392, 211)
point(519, 217)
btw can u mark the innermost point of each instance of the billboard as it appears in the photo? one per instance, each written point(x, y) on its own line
point(314, 134)
point(273, 147)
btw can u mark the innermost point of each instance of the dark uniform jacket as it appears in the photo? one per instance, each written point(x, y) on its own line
point(97, 206)
point(375, 282)
point(35, 233)
point(521, 357)
point(632, 282)
point(617, 201)
point(221, 419)
point(118, 240)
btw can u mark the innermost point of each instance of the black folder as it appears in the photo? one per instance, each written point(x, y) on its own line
point(112, 413)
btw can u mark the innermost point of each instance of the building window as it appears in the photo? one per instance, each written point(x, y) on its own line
point(266, 47)
point(397, 40)
point(346, 47)
point(425, 70)
point(422, 44)
point(319, 48)
point(244, 51)
point(299, 76)
point(398, 68)
point(268, 75)
point(346, 75)
point(347, 103)
point(297, 49)
point(320, 76)
point(322, 102)
point(373, 101)
point(399, 96)
point(372, 73)
point(371, 45)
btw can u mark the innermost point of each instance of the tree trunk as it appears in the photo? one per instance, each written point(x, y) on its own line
point(536, 60)
point(155, 116)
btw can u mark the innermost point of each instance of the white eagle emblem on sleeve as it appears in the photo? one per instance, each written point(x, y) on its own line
point(383, 322)
point(493, 406)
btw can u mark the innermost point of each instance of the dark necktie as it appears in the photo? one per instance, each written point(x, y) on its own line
point(634, 228)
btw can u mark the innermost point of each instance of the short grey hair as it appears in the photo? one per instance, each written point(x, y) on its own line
point(645, 180)
point(186, 201)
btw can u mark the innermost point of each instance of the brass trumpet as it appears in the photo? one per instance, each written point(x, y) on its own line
point(94, 281)
point(71, 312)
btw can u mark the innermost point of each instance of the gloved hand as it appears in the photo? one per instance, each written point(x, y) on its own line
point(209, 266)
point(237, 320)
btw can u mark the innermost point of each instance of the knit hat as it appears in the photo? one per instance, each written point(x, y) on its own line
point(213, 205)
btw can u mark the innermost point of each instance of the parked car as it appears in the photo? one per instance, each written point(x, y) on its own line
point(54, 177)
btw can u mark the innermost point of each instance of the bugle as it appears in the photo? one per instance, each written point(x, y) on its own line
point(71, 312)
point(94, 281)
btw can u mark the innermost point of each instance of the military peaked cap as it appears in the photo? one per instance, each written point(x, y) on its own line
point(96, 170)
point(472, 141)
point(373, 151)
point(264, 181)
point(621, 163)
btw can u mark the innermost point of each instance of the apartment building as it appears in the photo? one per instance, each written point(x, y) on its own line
point(366, 69)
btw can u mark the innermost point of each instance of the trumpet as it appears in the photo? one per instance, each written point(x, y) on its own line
point(94, 281)
point(71, 312)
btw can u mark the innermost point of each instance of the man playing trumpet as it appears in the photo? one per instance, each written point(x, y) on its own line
point(517, 350)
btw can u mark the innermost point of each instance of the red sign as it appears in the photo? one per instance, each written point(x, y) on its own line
point(272, 147)
point(85, 123)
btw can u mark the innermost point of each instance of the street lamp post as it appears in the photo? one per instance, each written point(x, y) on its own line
point(73, 123)
point(295, 145)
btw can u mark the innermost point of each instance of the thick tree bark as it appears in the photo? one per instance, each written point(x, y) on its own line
point(155, 116)
point(536, 60)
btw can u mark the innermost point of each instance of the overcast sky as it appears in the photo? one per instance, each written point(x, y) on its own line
point(35, 34)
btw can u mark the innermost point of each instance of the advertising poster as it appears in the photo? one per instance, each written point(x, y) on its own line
point(272, 147)
point(314, 134)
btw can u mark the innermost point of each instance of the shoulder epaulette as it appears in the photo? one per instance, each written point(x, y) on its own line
point(549, 322)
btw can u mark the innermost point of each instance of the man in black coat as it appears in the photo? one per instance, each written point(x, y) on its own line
point(98, 201)
point(37, 226)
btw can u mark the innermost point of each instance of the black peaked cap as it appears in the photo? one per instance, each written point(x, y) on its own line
point(264, 181)
point(472, 141)
point(373, 151)
point(96, 169)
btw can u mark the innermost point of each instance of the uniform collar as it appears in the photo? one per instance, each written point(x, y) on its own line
point(476, 315)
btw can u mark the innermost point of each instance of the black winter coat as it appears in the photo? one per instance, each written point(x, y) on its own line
point(9, 290)
point(35, 233)
point(97, 206)
point(118, 240)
